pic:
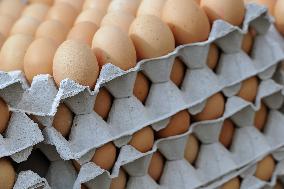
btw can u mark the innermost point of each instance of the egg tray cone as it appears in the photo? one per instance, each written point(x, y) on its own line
point(30, 180)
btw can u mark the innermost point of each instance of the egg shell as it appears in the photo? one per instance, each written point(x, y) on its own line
point(279, 16)
point(268, 3)
point(9, 58)
point(227, 133)
point(197, 1)
point(2, 40)
point(76, 165)
point(187, 21)
point(84, 32)
point(156, 166)
point(214, 108)
point(141, 87)
point(39, 58)
point(6, 23)
point(4, 116)
point(151, 7)
point(7, 174)
point(97, 4)
point(105, 156)
point(76, 4)
point(25, 25)
point(247, 43)
point(265, 168)
point(103, 103)
point(232, 184)
point(178, 72)
point(12, 8)
point(260, 117)
point(191, 149)
point(248, 90)
point(112, 45)
point(232, 11)
point(47, 2)
point(278, 185)
point(90, 15)
point(179, 123)
point(151, 37)
point(63, 120)
point(129, 6)
point(213, 56)
point(120, 181)
point(143, 139)
point(36, 10)
point(84, 186)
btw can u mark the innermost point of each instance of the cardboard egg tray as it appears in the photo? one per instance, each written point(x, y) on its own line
point(30, 180)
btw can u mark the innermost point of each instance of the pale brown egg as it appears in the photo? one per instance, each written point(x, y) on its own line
point(197, 1)
point(249, 88)
point(156, 166)
point(63, 12)
point(103, 103)
point(270, 4)
point(178, 72)
point(105, 156)
point(213, 56)
point(97, 4)
point(9, 58)
point(6, 23)
point(52, 29)
point(12, 8)
point(260, 117)
point(25, 25)
point(141, 87)
point(179, 124)
point(278, 185)
point(191, 149)
point(187, 21)
point(36, 10)
point(129, 6)
point(2, 40)
point(112, 45)
point(48, 2)
point(84, 32)
point(151, 37)
point(279, 16)
point(265, 168)
point(76, 165)
point(63, 119)
point(227, 133)
point(247, 43)
point(39, 58)
point(76, 61)
point(7, 174)
point(4, 116)
point(214, 108)
point(119, 19)
point(90, 15)
point(232, 184)
point(232, 11)
point(77, 4)
point(151, 7)
point(120, 181)
point(143, 139)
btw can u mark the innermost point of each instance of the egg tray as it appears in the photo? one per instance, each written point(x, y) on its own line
point(30, 180)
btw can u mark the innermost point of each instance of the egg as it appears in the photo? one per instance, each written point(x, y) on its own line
point(119, 19)
point(112, 45)
point(143, 139)
point(105, 156)
point(6, 23)
point(90, 15)
point(141, 87)
point(12, 8)
point(52, 29)
point(35, 120)
point(151, 37)
point(270, 4)
point(227, 133)
point(2, 40)
point(279, 16)
point(260, 117)
point(97, 4)
point(83, 186)
point(84, 32)
point(178, 72)
point(39, 58)
point(48, 2)
point(265, 168)
point(7, 174)
point(232, 184)
point(231, 11)
point(4, 116)
point(156, 166)
point(77, 4)
point(120, 181)
point(179, 124)
point(63, 119)
point(103, 103)
point(63, 12)
point(191, 149)
point(247, 43)
point(278, 185)
point(9, 58)
point(76, 61)
point(214, 108)
point(25, 25)
point(129, 6)
point(76, 165)
point(249, 88)
point(213, 56)
point(151, 7)
point(36, 10)
point(197, 1)
point(187, 21)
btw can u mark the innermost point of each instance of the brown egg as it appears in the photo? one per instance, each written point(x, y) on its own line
point(232, 11)
point(105, 156)
point(151, 37)
point(120, 181)
point(25, 25)
point(103, 103)
point(232, 184)
point(249, 88)
point(268, 3)
point(77, 4)
point(4, 116)
point(260, 117)
point(227, 133)
point(63, 12)
point(129, 6)
point(36, 10)
point(265, 168)
point(179, 124)
point(52, 29)
point(187, 21)
point(143, 139)
point(83, 186)
point(12, 8)
point(84, 32)
point(213, 56)
point(197, 1)
point(76, 61)
point(156, 166)
point(7, 174)
point(278, 185)
point(97, 4)
point(90, 15)
point(63, 119)
point(48, 2)
point(6, 23)
point(214, 108)
point(112, 45)
point(2, 40)
point(76, 165)
point(9, 58)
point(119, 19)
point(141, 87)
point(279, 16)
point(191, 149)
point(247, 43)
point(151, 7)
point(39, 58)
point(178, 72)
